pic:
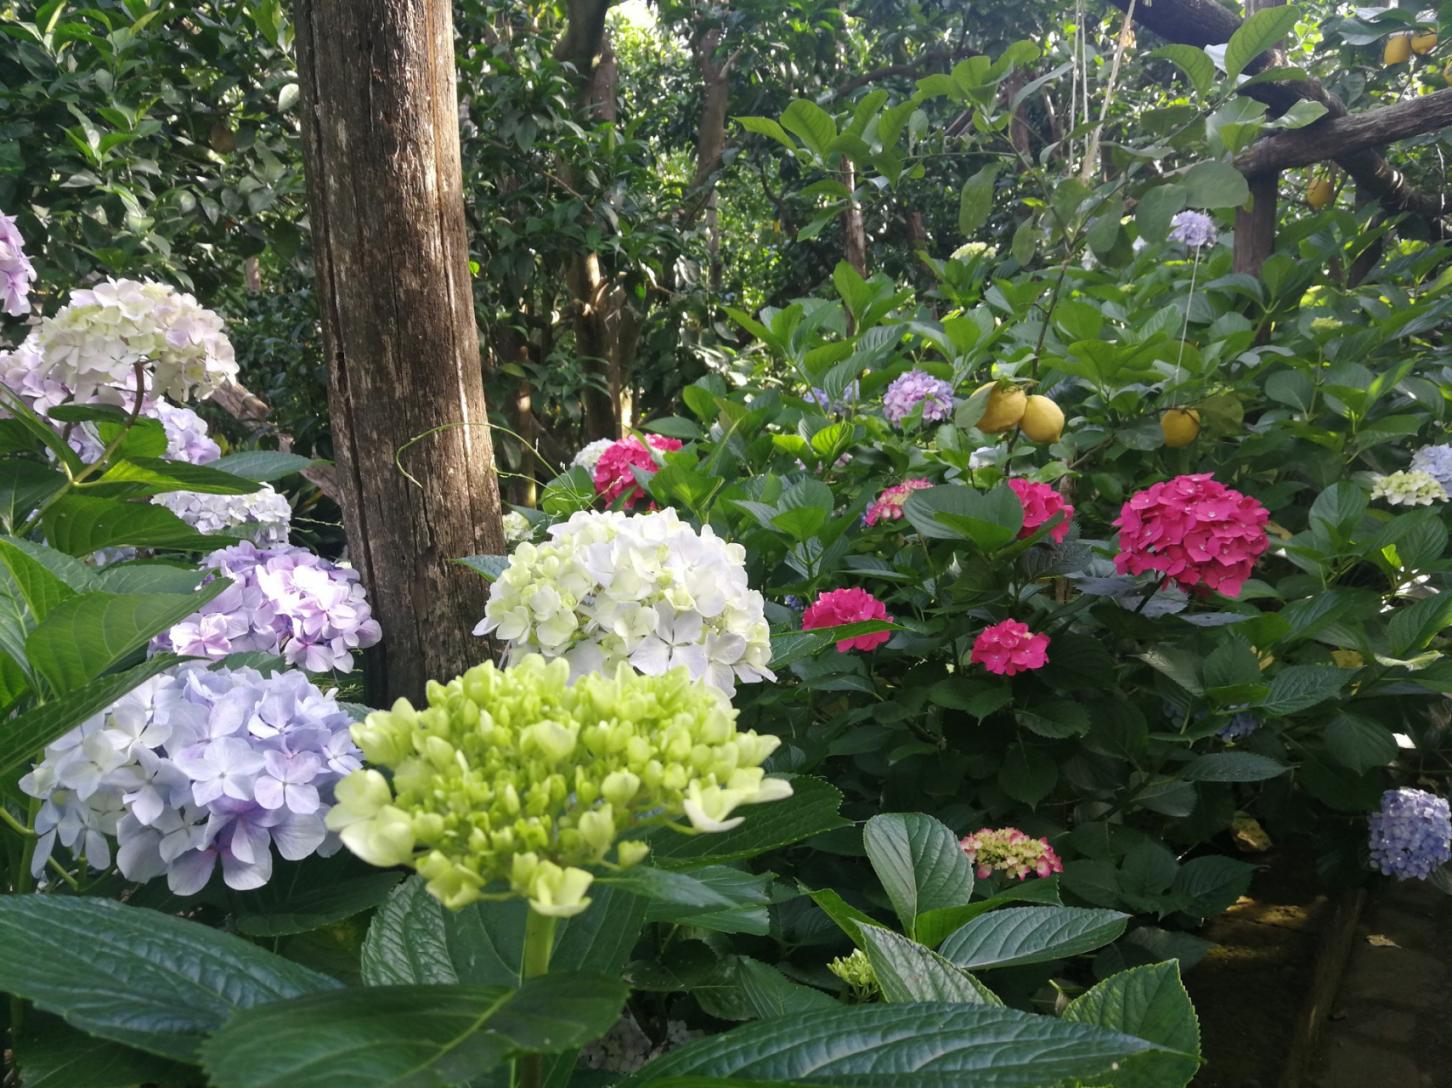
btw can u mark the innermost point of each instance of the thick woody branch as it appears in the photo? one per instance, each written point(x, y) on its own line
point(1333, 137)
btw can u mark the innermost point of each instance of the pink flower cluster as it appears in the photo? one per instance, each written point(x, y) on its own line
point(1009, 648)
point(1041, 504)
point(888, 505)
point(839, 606)
point(1195, 531)
point(613, 475)
point(1009, 850)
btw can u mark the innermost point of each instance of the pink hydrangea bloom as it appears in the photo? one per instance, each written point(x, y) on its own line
point(1009, 648)
point(1041, 503)
point(1195, 531)
point(1009, 850)
point(839, 606)
point(888, 506)
point(613, 475)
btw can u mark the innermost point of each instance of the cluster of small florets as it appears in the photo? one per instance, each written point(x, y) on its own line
point(1436, 462)
point(187, 437)
point(888, 505)
point(1193, 229)
point(193, 769)
point(1412, 487)
point(1194, 530)
point(517, 528)
point(1041, 504)
point(282, 600)
point(646, 589)
point(1008, 850)
point(16, 271)
point(1411, 836)
point(96, 341)
point(614, 472)
point(1009, 648)
point(513, 780)
point(838, 607)
point(913, 389)
point(589, 455)
point(855, 969)
point(262, 516)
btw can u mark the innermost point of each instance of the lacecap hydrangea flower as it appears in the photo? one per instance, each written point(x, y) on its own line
point(519, 781)
point(192, 769)
point(614, 471)
point(915, 388)
point(282, 600)
point(589, 456)
point(1409, 488)
point(1195, 531)
point(16, 271)
point(647, 589)
point(841, 606)
point(1411, 836)
point(1436, 462)
point(1193, 229)
point(1008, 850)
point(888, 505)
point(262, 516)
point(95, 342)
point(1009, 648)
point(1041, 504)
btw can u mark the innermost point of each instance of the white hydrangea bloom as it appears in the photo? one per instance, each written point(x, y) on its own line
point(643, 589)
point(264, 516)
point(589, 456)
point(1412, 488)
point(517, 528)
point(95, 341)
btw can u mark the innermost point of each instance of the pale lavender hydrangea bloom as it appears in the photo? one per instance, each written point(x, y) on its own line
point(16, 271)
point(1193, 229)
point(186, 433)
point(1436, 462)
point(263, 516)
point(835, 405)
point(915, 387)
point(21, 372)
point(192, 769)
point(1412, 834)
point(282, 600)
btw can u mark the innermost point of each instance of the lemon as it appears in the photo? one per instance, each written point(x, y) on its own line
point(1424, 42)
point(1398, 49)
point(1180, 426)
point(1006, 405)
point(1043, 420)
point(1319, 193)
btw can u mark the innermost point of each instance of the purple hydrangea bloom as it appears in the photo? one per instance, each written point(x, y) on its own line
point(909, 390)
point(195, 769)
point(1412, 834)
point(1242, 725)
point(186, 433)
point(283, 600)
point(16, 271)
point(1436, 462)
point(1194, 229)
point(827, 403)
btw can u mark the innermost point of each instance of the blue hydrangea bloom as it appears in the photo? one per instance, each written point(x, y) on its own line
point(827, 403)
point(1194, 229)
point(1412, 834)
point(1242, 725)
point(1436, 462)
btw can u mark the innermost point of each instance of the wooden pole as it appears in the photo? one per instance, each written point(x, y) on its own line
point(381, 149)
point(1255, 228)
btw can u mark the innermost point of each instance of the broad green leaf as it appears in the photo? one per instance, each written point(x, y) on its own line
point(52, 1054)
point(267, 913)
point(1297, 687)
point(36, 587)
point(1155, 208)
point(1414, 626)
point(24, 485)
point(1149, 1003)
point(70, 570)
point(81, 524)
point(86, 634)
point(1232, 767)
point(389, 1036)
point(741, 988)
point(919, 1045)
point(1212, 883)
point(1014, 936)
point(263, 466)
point(809, 123)
point(810, 810)
point(849, 919)
point(746, 894)
point(664, 885)
point(156, 476)
point(489, 567)
point(990, 519)
point(765, 126)
point(1360, 743)
point(906, 971)
point(24, 737)
point(920, 863)
point(1215, 185)
point(1257, 34)
point(135, 976)
point(1195, 63)
point(934, 925)
point(148, 578)
point(975, 202)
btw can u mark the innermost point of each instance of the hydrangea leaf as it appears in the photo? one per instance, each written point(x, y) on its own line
point(1150, 1003)
point(907, 971)
point(920, 863)
point(1015, 936)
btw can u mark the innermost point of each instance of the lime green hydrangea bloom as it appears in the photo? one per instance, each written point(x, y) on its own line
point(513, 780)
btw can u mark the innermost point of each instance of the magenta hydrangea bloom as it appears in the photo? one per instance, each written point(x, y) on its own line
point(1041, 504)
point(1009, 850)
point(888, 505)
point(1009, 648)
point(614, 475)
point(839, 606)
point(1195, 531)
point(283, 600)
point(916, 387)
point(16, 271)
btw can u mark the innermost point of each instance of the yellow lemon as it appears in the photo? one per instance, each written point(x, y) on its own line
point(1180, 426)
point(1319, 193)
point(1006, 405)
point(1043, 420)
point(1424, 42)
point(1398, 49)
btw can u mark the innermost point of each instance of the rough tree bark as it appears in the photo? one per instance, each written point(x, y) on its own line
point(1255, 230)
point(1354, 132)
point(381, 149)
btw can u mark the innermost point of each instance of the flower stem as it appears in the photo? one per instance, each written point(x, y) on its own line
point(539, 943)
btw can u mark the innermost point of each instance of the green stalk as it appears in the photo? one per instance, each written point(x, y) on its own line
point(539, 942)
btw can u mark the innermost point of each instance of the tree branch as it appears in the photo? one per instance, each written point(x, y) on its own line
point(1335, 136)
point(933, 60)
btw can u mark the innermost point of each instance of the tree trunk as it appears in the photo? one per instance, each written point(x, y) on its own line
point(1255, 230)
point(381, 148)
point(854, 236)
